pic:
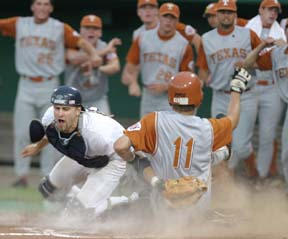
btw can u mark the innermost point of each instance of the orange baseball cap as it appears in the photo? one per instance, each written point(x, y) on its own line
point(211, 9)
point(91, 21)
point(169, 8)
point(270, 3)
point(229, 5)
point(147, 2)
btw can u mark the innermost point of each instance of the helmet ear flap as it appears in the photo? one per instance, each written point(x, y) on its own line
point(185, 89)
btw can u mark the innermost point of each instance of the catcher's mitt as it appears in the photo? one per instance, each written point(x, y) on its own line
point(183, 191)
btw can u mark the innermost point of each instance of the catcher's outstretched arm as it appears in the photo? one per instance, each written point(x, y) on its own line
point(33, 149)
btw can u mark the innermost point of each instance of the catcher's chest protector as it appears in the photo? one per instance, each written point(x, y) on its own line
point(75, 148)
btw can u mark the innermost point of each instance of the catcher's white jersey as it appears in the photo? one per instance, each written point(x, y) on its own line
point(98, 131)
point(181, 145)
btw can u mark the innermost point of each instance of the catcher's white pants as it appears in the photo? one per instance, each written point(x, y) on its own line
point(98, 183)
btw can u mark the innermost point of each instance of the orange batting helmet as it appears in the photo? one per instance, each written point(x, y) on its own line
point(185, 89)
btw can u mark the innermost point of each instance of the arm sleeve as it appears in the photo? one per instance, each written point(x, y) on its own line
point(187, 63)
point(143, 134)
point(8, 26)
point(186, 31)
point(222, 130)
point(255, 40)
point(264, 59)
point(241, 22)
point(133, 55)
point(201, 59)
point(71, 37)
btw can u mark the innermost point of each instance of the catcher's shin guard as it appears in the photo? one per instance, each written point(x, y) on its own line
point(46, 188)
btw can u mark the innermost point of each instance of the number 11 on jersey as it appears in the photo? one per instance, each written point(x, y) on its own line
point(178, 148)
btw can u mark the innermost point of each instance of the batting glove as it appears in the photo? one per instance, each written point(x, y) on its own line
point(240, 80)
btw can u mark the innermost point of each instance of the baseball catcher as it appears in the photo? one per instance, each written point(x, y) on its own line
point(85, 137)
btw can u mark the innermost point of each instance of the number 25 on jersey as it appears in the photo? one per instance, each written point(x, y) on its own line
point(178, 147)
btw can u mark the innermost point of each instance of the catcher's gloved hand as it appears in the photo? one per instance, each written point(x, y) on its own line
point(240, 80)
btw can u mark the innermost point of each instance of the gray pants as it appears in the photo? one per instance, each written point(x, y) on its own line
point(242, 135)
point(32, 100)
point(269, 112)
point(151, 102)
point(102, 104)
point(284, 153)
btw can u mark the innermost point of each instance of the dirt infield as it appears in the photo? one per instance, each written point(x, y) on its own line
point(244, 213)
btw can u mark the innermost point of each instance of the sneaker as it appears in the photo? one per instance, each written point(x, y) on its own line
point(20, 183)
point(133, 197)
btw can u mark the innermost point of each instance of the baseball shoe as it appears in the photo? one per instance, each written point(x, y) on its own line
point(21, 182)
point(133, 197)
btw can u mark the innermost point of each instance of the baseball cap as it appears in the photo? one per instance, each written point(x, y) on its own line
point(229, 5)
point(91, 21)
point(147, 2)
point(211, 9)
point(169, 8)
point(270, 3)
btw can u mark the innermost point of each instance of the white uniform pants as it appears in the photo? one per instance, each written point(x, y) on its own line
point(98, 183)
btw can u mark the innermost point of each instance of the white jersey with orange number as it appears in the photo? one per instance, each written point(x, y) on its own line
point(39, 47)
point(181, 145)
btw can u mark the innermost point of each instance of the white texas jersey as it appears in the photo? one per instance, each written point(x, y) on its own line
point(181, 145)
point(141, 29)
point(279, 57)
point(221, 52)
point(98, 131)
point(39, 47)
point(160, 60)
point(186, 146)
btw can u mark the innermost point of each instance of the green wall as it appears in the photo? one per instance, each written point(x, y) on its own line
point(119, 20)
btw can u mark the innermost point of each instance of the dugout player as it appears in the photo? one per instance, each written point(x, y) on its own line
point(222, 49)
point(277, 61)
point(92, 82)
point(160, 53)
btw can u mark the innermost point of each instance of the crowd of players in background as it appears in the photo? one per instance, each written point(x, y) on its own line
point(46, 47)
